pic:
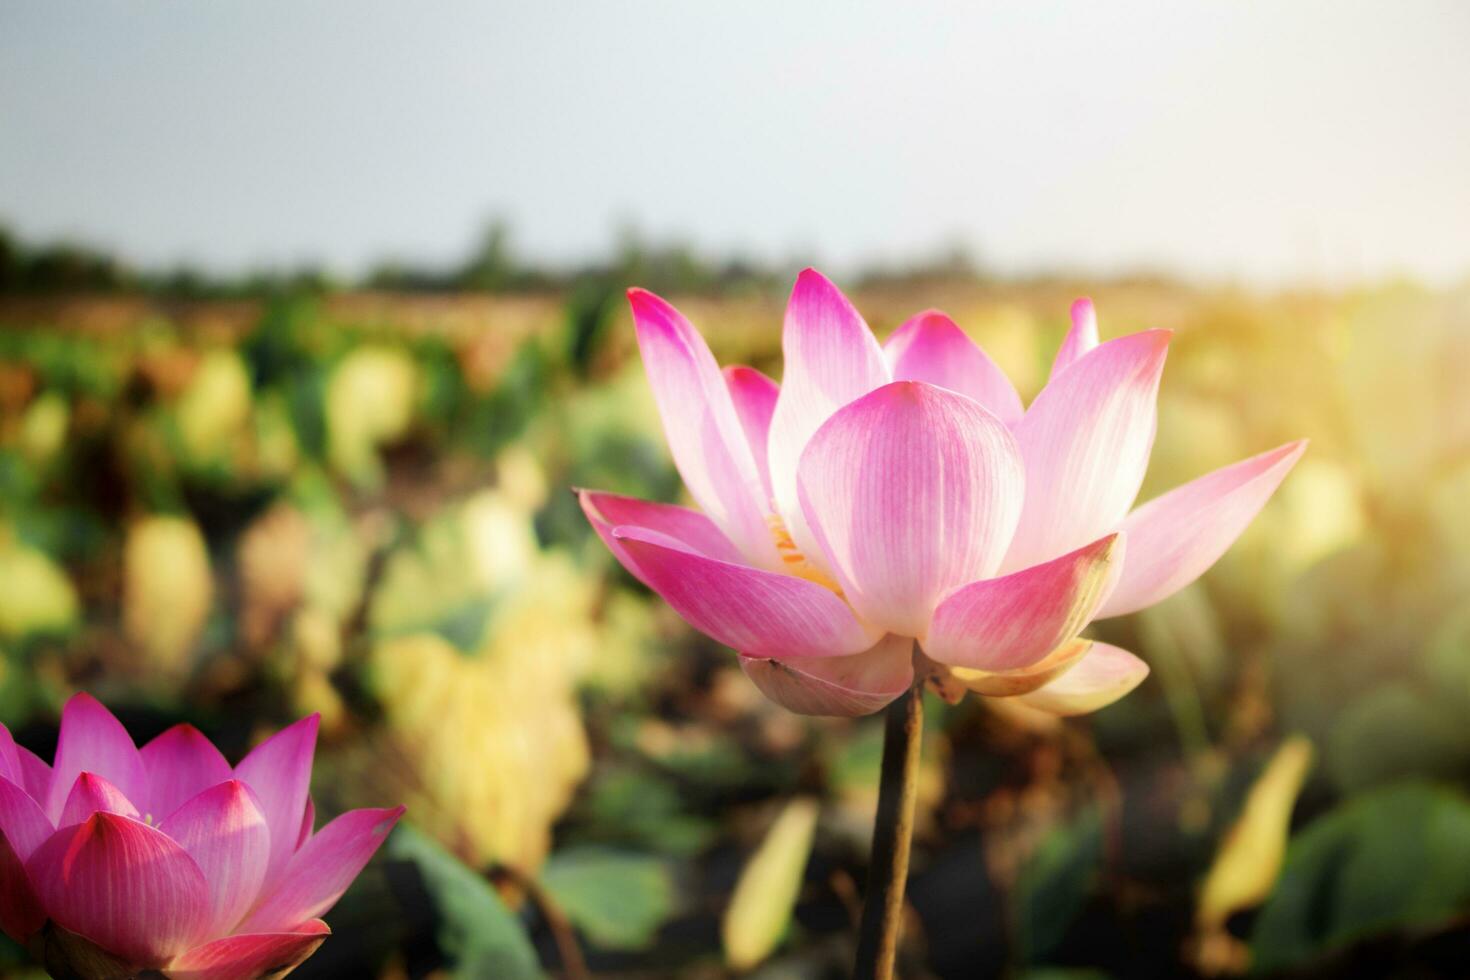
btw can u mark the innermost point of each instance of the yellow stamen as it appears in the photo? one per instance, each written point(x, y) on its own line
point(796, 563)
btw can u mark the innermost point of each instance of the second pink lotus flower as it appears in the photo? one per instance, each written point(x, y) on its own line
point(118, 860)
point(887, 495)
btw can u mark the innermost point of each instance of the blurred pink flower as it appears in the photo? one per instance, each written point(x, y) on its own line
point(883, 495)
point(165, 858)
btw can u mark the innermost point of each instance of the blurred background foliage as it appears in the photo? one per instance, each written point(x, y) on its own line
point(233, 503)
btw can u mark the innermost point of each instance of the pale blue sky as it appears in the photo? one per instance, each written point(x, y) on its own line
point(1266, 142)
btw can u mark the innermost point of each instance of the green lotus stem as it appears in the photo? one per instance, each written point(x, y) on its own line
point(893, 830)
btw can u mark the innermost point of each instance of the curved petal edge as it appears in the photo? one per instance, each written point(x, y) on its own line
point(704, 433)
point(605, 511)
point(1173, 539)
point(848, 687)
point(830, 358)
point(931, 347)
point(251, 956)
point(1086, 440)
point(1012, 622)
point(1080, 339)
point(1103, 676)
point(760, 613)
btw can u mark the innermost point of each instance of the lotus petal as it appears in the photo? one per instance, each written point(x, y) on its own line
point(225, 832)
point(764, 614)
point(21, 913)
point(911, 491)
point(606, 511)
point(255, 956)
point(754, 396)
point(322, 869)
point(92, 740)
point(704, 432)
point(858, 684)
point(1012, 622)
point(22, 820)
point(1080, 339)
point(1096, 681)
point(931, 347)
point(91, 794)
point(279, 771)
point(831, 359)
point(10, 764)
point(125, 886)
point(1086, 442)
point(1023, 680)
point(37, 774)
point(181, 764)
point(1174, 538)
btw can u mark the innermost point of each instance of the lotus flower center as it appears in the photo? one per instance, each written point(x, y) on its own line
point(794, 561)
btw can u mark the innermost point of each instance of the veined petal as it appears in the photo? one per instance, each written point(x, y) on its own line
point(763, 614)
point(321, 871)
point(910, 491)
point(1080, 340)
point(23, 828)
point(92, 794)
point(308, 822)
point(1012, 622)
point(125, 886)
point(22, 820)
point(1086, 441)
point(754, 396)
point(1174, 538)
point(255, 956)
point(37, 774)
point(606, 511)
point(1103, 676)
point(181, 764)
point(10, 765)
point(704, 433)
point(831, 359)
point(225, 832)
point(279, 771)
point(92, 740)
point(1023, 680)
point(858, 684)
point(21, 912)
point(931, 347)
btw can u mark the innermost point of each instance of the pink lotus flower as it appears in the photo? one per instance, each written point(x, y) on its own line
point(165, 858)
point(883, 495)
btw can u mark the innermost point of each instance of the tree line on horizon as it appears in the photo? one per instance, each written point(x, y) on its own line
point(493, 265)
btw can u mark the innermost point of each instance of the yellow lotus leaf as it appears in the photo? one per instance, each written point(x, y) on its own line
point(1249, 860)
point(214, 409)
point(548, 617)
point(272, 556)
point(43, 427)
point(492, 747)
point(499, 538)
point(277, 451)
point(167, 589)
point(312, 692)
point(35, 594)
point(369, 401)
point(766, 892)
point(287, 559)
point(521, 478)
